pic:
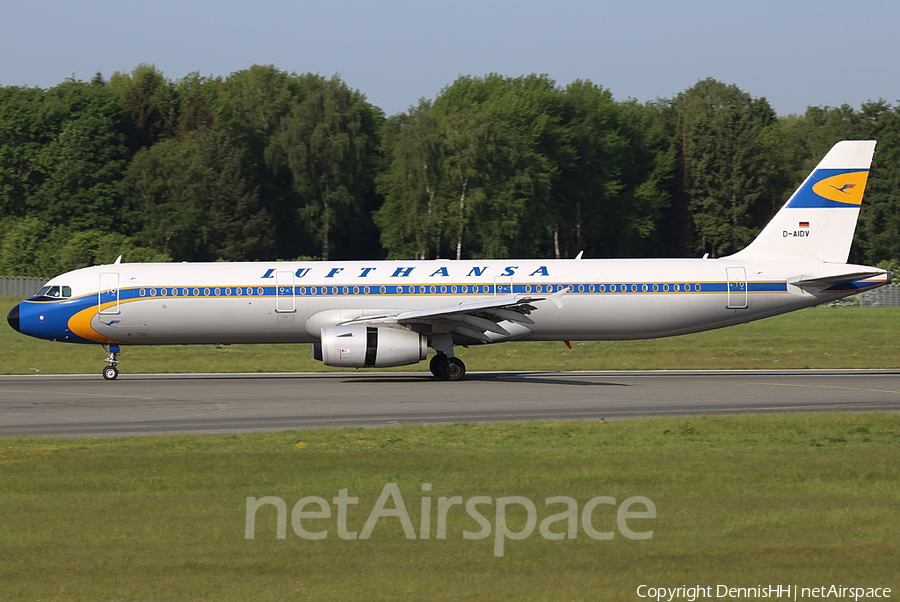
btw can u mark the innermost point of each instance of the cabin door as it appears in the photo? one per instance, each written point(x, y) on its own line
point(737, 288)
point(503, 285)
point(108, 297)
point(285, 302)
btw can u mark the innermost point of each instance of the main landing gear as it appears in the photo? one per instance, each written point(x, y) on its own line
point(111, 372)
point(447, 368)
point(445, 365)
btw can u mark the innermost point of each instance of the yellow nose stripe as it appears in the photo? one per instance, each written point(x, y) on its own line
point(80, 324)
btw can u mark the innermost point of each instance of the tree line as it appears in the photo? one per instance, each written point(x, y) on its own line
point(266, 164)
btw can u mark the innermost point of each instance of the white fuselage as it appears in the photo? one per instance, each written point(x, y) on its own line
point(290, 302)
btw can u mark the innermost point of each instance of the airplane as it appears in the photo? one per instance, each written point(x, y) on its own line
point(387, 313)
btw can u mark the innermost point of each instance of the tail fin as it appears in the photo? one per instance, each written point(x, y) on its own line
point(818, 221)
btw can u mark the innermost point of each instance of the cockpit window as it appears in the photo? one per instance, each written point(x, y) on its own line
point(55, 292)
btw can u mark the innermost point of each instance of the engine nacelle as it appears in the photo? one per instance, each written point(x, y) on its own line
point(369, 347)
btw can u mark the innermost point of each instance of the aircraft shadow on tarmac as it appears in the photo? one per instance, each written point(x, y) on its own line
point(494, 377)
point(546, 378)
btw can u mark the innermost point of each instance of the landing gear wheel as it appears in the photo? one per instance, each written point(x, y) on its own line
point(111, 372)
point(455, 369)
point(437, 365)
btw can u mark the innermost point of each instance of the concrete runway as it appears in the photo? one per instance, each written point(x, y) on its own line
point(137, 404)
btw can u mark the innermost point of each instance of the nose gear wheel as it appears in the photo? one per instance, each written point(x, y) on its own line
point(111, 372)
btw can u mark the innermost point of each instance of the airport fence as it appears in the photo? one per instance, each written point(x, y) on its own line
point(20, 287)
point(886, 296)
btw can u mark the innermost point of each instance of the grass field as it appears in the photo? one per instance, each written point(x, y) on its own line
point(808, 500)
point(801, 499)
point(823, 337)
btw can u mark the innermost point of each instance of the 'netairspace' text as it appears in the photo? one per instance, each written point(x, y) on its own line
point(567, 519)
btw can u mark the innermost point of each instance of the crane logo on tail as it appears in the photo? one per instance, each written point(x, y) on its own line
point(831, 188)
point(843, 189)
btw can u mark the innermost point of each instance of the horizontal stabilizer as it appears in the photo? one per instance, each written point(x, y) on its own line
point(832, 279)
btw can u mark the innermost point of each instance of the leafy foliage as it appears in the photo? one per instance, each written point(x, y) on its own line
point(188, 199)
point(264, 163)
point(326, 143)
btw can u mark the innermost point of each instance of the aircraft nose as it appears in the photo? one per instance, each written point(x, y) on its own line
point(13, 317)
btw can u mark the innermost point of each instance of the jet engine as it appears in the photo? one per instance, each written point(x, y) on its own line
point(369, 347)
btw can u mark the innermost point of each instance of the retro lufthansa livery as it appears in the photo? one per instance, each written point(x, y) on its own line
point(387, 313)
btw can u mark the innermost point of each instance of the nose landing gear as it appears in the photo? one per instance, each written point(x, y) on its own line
point(111, 372)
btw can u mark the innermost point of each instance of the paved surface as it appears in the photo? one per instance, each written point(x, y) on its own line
point(206, 403)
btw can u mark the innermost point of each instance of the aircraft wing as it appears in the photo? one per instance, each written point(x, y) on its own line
point(475, 319)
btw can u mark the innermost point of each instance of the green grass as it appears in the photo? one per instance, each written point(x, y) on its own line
point(806, 499)
point(840, 337)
